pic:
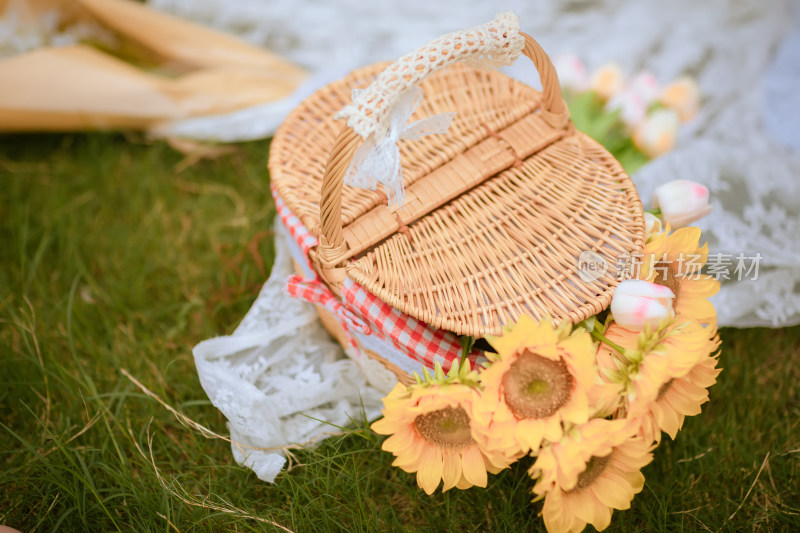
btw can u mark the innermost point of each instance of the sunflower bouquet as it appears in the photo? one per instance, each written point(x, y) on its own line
point(588, 402)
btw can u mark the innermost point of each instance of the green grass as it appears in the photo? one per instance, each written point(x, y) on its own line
point(114, 256)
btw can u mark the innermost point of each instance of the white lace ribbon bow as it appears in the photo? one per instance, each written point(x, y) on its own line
point(378, 160)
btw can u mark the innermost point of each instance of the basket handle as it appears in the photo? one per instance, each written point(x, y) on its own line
point(367, 114)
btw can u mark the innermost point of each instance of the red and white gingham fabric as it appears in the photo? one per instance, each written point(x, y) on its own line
point(304, 239)
point(363, 313)
point(418, 340)
point(316, 292)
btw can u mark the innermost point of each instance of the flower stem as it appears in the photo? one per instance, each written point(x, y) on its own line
point(599, 336)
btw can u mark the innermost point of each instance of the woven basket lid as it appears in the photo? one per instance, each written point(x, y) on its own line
point(505, 214)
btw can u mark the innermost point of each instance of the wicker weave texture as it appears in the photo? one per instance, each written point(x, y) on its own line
point(498, 212)
point(511, 246)
point(302, 145)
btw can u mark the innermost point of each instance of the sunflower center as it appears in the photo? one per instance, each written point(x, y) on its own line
point(535, 386)
point(667, 276)
point(594, 468)
point(664, 388)
point(448, 427)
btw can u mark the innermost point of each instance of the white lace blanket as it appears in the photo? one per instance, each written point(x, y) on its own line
point(279, 379)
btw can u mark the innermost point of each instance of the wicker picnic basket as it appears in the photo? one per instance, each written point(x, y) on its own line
point(498, 210)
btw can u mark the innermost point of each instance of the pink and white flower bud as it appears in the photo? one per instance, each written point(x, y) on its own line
point(571, 72)
point(637, 303)
point(682, 95)
point(652, 225)
point(646, 86)
point(656, 134)
point(630, 105)
point(608, 80)
point(681, 202)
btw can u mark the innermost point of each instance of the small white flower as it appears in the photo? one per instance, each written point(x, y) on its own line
point(681, 202)
point(652, 225)
point(571, 72)
point(656, 134)
point(682, 95)
point(646, 86)
point(608, 80)
point(630, 105)
point(637, 303)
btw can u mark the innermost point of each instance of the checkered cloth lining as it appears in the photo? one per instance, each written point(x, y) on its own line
point(363, 313)
point(316, 292)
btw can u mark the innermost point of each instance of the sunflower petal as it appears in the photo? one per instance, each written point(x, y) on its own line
point(613, 490)
point(473, 466)
point(451, 472)
point(584, 505)
point(430, 469)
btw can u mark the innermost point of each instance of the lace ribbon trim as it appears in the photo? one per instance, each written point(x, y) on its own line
point(379, 161)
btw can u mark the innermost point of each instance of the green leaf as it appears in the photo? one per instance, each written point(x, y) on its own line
point(467, 342)
point(590, 116)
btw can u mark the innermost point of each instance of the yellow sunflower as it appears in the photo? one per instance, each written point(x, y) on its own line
point(607, 393)
point(679, 398)
point(430, 424)
point(674, 260)
point(539, 377)
point(594, 469)
point(663, 374)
